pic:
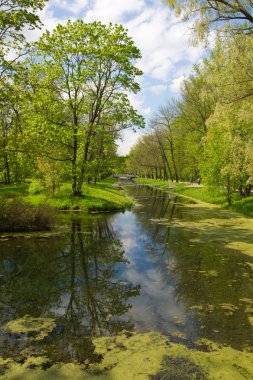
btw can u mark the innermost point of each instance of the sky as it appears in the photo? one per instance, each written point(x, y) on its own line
point(167, 56)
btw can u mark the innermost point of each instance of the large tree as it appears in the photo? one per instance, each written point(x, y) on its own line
point(79, 77)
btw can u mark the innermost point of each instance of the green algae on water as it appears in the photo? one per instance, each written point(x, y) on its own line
point(41, 327)
point(142, 357)
point(32, 369)
point(145, 356)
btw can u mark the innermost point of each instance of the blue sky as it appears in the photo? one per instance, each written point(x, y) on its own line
point(162, 39)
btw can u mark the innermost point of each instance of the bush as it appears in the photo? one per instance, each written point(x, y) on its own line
point(18, 216)
point(35, 187)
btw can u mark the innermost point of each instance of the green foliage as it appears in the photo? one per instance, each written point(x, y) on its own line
point(207, 134)
point(15, 14)
point(230, 66)
point(80, 105)
point(232, 16)
point(245, 206)
point(35, 187)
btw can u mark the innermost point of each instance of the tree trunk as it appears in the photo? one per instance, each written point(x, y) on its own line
point(229, 195)
point(166, 162)
point(247, 190)
point(85, 153)
point(173, 160)
point(75, 188)
point(7, 180)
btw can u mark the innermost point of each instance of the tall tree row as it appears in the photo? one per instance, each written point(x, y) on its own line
point(208, 131)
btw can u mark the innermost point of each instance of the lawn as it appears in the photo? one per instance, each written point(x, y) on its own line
point(100, 197)
point(206, 194)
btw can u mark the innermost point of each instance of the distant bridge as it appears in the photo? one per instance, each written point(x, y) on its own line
point(128, 177)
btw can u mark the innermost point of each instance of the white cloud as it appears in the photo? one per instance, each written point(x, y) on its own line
point(162, 40)
point(157, 89)
point(128, 140)
point(176, 83)
point(108, 11)
point(73, 6)
point(137, 101)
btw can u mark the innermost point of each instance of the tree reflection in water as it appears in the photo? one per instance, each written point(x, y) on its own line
point(73, 280)
point(212, 282)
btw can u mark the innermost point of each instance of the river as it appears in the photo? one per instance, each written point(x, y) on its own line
point(167, 265)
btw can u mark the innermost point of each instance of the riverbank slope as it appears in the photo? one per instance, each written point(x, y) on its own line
point(201, 193)
point(104, 196)
point(24, 210)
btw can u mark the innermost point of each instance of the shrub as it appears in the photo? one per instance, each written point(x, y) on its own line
point(18, 216)
point(35, 187)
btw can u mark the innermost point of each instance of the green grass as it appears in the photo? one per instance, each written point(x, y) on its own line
point(204, 194)
point(244, 206)
point(10, 191)
point(162, 184)
point(99, 197)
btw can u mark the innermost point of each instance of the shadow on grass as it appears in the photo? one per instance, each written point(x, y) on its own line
point(10, 191)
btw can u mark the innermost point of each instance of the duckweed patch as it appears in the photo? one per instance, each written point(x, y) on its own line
point(227, 228)
point(32, 369)
point(151, 355)
point(141, 356)
point(39, 327)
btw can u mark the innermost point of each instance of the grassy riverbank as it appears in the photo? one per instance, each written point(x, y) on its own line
point(202, 193)
point(100, 197)
point(22, 211)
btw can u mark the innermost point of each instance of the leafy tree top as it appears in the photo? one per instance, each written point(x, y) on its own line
point(15, 15)
point(235, 16)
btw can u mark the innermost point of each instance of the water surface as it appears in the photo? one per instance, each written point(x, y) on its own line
point(167, 265)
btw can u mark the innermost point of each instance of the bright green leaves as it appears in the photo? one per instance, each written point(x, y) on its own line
point(210, 134)
point(80, 75)
point(16, 14)
point(232, 16)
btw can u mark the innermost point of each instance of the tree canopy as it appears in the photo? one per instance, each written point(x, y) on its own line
point(70, 95)
point(236, 16)
point(15, 15)
point(207, 132)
